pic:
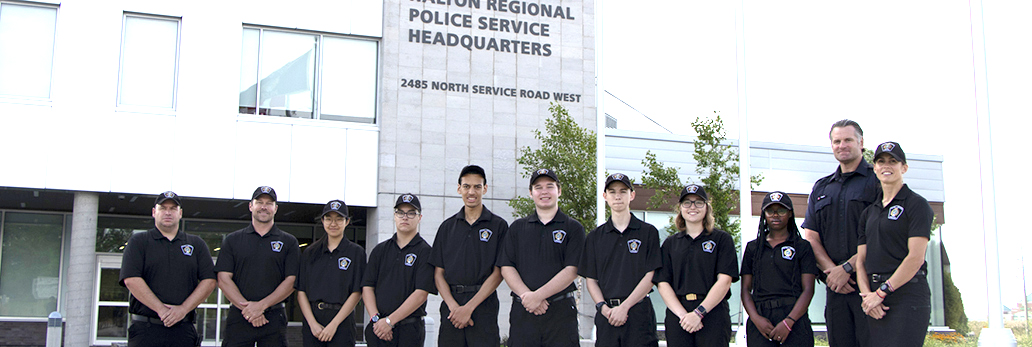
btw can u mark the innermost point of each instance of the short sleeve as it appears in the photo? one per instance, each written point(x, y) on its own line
point(862, 228)
point(576, 247)
point(205, 268)
point(747, 258)
point(507, 255)
point(293, 260)
point(810, 219)
point(436, 257)
point(727, 259)
point(921, 222)
point(360, 260)
point(424, 276)
point(132, 259)
point(301, 284)
point(586, 267)
point(807, 261)
point(225, 261)
point(653, 257)
point(372, 268)
point(664, 273)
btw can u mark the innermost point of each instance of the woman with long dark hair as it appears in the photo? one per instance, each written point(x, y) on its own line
point(778, 271)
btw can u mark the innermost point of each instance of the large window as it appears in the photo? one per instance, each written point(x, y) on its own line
point(307, 75)
point(30, 264)
point(26, 50)
point(147, 73)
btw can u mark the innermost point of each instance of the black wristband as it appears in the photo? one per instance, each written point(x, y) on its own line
point(790, 318)
point(848, 267)
point(599, 305)
point(701, 311)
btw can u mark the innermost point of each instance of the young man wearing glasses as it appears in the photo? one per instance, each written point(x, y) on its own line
point(397, 280)
point(465, 249)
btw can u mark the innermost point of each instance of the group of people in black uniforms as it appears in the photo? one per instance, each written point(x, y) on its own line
point(865, 236)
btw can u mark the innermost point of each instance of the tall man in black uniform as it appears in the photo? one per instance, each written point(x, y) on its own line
point(539, 263)
point(832, 216)
point(329, 283)
point(168, 273)
point(617, 252)
point(397, 280)
point(256, 269)
point(464, 254)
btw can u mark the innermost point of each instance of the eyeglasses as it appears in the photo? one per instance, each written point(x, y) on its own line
point(696, 203)
point(331, 221)
point(776, 212)
point(403, 214)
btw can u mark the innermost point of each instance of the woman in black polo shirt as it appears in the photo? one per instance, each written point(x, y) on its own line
point(778, 270)
point(699, 265)
point(894, 233)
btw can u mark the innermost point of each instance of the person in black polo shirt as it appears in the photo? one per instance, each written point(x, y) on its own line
point(615, 254)
point(699, 265)
point(832, 215)
point(397, 280)
point(168, 272)
point(257, 267)
point(464, 252)
point(329, 283)
point(894, 235)
point(539, 263)
point(778, 271)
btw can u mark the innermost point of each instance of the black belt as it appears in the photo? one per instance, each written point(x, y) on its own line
point(141, 318)
point(885, 277)
point(553, 298)
point(408, 320)
point(775, 303)
point(459, 289)
point(616, 302)
point(327, 306)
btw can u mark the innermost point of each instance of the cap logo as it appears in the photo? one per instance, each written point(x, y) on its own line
point(266, 189)
point(708, 246)
point(334, 205)
point(485, 235)
point(887, 147)
point(691, 189)
point(895, 212)
point(558, 236)
point(775, 196)
point(618, 176)
point(406, 198)
point(542, 172)
point(410, 259)
point(343, 263)
point(169, 194)
point(187, 250)
point(277, 246)
point(633, 246)
point(788, 252)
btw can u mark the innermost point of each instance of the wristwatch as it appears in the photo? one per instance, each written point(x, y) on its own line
point(849, 268)
point(376, 317)
point(599, 305)
point(885, 288)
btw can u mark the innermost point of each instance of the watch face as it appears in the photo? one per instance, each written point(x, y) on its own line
point(884, 287)
point(375, 319)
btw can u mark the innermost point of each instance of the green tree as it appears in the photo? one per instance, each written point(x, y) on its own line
point(569, 150)
point(716, 163)
point(954, 310)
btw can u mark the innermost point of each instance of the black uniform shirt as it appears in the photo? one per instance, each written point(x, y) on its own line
point(778, 271)
point(540, 251)
point(834, 207)
point(619, 260)
point(395, 273)
point(331, 276)
point(258, 263)
point(691, 266)
point(172, 269)
point(467, 252)
point(887, 230)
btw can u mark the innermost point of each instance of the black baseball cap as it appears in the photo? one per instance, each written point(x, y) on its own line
point(693, 189)
point(335, 206)
point(264, 190)
point(472, 169)
point(893, 149)
point(777, 197)
point(619, 177)
point(408, 198)
point(543, 172)
point(169, 195)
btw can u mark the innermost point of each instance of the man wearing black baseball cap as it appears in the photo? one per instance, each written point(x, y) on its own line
point(620, 257)
point(539, 263)
point(329, 283)
point(257, 268)
point(397, 281)
point(168, 273)
point(463, 256)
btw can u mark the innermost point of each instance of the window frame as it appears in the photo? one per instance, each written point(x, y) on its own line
point(30, 100)
point(171, 110)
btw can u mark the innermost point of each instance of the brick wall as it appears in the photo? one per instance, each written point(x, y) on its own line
point(23, 334)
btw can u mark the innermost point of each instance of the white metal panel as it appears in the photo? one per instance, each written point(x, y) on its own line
point(26, 138)
point(317, 164)
point(205, 155)
point(79, 158)
point(361, 168)
point(262, 159)
point(368, 17)
point(143, 163)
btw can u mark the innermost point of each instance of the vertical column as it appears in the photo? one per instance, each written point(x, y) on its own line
point(81, 268)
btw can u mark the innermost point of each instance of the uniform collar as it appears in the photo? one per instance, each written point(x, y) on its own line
point(902, 195)
point(635, 224)
point(156, 234)
point(273, 231)
point(324, 244)
point(791, 239)
point(415, 240)
point(559, 217)
point(862, 169)
point(485, 215)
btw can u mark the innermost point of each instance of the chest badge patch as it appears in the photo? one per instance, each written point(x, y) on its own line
point(558, 236)
point(788, 252)
point(277, 246)
point(343, 263)
point(895, 212)
point(633, 245)
point(485, 235)
point(410, 259)
point(187, 250)
point(708, 246)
